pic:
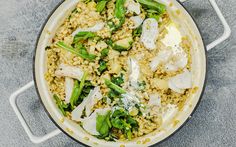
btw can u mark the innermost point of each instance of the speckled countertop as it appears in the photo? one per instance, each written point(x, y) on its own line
point(213, 124)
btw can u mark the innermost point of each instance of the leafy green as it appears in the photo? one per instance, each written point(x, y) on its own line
point(120, 9)
point(121, 120)
point(132, 121)
point(118, 80)
point(103, 124)
point(83, 55)
point(120, 113)
point(61, 105)
point(117, 123)
point(81, 36)
point(151, 4)
point(114, 87)
point(102, 66)
point(137, 32)
point(101, 5)
point(77, 90)
point(104, 52)
point(120, 12)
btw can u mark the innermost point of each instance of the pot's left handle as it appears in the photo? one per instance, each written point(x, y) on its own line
point(13, 102)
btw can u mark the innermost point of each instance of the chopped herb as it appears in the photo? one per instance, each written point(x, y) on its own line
point(142, 85)
point(153, 14)
point(118, 80)
point(75, 10)
point(102, 67)
point(104, 52)
point(72, 50)
point(109, 42)
point(101, 6)
point(137, 32)
point(47, 47)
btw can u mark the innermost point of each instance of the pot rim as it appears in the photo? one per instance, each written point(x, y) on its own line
point(45, 109)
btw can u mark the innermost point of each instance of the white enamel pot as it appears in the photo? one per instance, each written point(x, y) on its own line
point(73, 130)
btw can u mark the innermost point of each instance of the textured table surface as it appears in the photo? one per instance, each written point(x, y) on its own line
point(213, 124)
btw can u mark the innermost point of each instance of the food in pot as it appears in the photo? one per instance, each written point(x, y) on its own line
point(120, 69)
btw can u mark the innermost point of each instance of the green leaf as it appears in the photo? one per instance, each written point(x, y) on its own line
point(61, 105)
point(151, 4)
point(103, 124)
point(104, 52)
point(117, 123)
point(72, 50)
point(132, 121)
point(120, 9)
point(118, 80)
point(102, 67)
point(120, 12)
point(77, 90)
point(81, 36)
point(114, 87)
point(101, 6)
point(109, 42)
point(129, 134)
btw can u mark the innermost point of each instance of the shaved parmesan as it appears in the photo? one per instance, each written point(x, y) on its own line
point(181, 82)
point(132, 6)
point(69, 71)
point(134, 70)
point(137, 20)
point(89, 123)
point(99, 26)
point(162, 57)
point(154, 99)
point(150, 33)
point(173, 38)
point(69, 84)
point(88, 103)
point(94, 96)
point(169, 113)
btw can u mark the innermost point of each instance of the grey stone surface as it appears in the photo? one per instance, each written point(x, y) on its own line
point(213, 124)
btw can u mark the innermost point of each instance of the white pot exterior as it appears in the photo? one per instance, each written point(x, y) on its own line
point(181, 17)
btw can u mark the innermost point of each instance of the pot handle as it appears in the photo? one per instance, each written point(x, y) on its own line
point(227, 30)
point(13, 102)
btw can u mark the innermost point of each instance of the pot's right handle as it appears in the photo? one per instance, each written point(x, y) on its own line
point(227, 30)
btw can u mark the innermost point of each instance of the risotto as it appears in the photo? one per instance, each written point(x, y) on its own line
point(118, 68)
